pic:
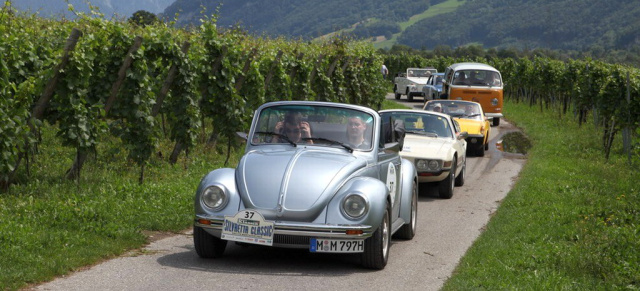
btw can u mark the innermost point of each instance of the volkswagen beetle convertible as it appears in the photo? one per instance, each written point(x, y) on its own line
point(321, 176)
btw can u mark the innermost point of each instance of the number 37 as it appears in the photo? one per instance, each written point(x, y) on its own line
point(249, 214)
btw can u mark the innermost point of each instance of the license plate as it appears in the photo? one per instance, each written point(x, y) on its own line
point(248, 226)
point(323, 245)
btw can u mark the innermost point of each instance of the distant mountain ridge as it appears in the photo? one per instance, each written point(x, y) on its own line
point(122, 8)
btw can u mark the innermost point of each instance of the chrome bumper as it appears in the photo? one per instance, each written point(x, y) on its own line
point(338, 231)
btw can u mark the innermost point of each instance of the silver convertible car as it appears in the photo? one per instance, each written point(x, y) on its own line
point(321, 176)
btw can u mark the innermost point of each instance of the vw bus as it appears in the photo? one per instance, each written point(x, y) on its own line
point(475, 82)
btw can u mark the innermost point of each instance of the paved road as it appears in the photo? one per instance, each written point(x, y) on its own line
point(446, 229)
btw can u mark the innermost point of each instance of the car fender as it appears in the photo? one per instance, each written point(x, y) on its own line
point(409, 175)
point(226, 178)
point(374, 191)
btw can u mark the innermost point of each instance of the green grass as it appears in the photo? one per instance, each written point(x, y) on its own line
point(50, 226)
point(571, 222)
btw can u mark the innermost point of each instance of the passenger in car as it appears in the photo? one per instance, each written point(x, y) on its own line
point(461, 79)
point(437, 108)
point(356, 127)
point(293, 127)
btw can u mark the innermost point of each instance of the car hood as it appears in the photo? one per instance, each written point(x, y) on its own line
point(469, 125)
point(293, 184)
point(425, 147)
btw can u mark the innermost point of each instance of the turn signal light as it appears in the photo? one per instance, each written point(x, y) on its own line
point(204, 221)
point(354, 232)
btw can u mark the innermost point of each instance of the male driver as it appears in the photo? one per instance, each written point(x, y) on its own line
point(294, 128)
point(355, 133)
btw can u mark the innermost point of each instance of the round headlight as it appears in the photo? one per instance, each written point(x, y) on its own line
point(434, 165)
point(494, 102)
point(214, 197)
point(422, 164)
point(354, 206)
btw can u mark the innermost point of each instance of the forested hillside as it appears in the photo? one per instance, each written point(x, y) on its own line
point(603, 29)
point(297, 18)
point(559, 24)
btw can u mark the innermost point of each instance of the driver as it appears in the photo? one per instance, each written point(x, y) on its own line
point(293, 127)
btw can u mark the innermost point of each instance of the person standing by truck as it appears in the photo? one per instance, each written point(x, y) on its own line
point(385, 71)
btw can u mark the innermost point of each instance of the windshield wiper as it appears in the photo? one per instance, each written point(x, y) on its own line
point(330, 141)
point(281, 136)
point(473, 115)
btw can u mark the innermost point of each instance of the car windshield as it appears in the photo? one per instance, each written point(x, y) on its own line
point(419, 73)
point(314, 124)
point(460, 109)
point(477, 78)
point(438, 80)
point(423, 123)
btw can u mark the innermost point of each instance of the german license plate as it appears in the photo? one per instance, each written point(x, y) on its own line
point(323, 245)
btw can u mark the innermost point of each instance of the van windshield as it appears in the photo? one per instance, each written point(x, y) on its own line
point(477, 78)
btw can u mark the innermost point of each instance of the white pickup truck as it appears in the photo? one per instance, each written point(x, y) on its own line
point(411, 82)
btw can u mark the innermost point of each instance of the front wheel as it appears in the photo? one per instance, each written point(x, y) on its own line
point(408, 231)
point(460, 177)
point(376, 248)
point(496, 121)
point(480, 150)
point(206, 245)
point(395, 91)
point(445, 189)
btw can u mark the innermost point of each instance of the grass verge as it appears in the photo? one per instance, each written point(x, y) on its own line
point(571, 222)
point(50, 226)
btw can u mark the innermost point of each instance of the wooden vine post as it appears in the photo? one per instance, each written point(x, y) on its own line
point(47, 94)
point(269, 76)
point(215, 133)
point(166, 86)
point(81, 155)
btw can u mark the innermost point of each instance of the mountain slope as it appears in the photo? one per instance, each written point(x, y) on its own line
point(297, 18)
point(557, 24)
point(123, 8)
point(526, 24)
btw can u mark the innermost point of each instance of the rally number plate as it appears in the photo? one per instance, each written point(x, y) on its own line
point(248, 226)
point(323, 245)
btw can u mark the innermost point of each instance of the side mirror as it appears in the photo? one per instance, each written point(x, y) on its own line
point(242, 135)
point(392, 147)
point(463, 135)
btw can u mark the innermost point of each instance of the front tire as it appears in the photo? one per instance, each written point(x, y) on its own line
point(460, 177)
point(445, 189)
point(480, 150)
point(408, 231)
point(376, 248)
point(395, 91)
point(206, 245)
point(496, 121)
